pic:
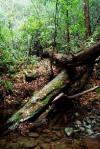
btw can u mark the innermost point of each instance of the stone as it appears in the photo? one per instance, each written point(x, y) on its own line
point(78, 122)
point(45, 146)
point(55, 138)
point(69, 131)
point(47, 140)
point(34, 135)
point(92, 117)
point(97, 129)
point(12, 146)
point(88, 120)
point(76, 114)
point(88, 126)
point(58, 134)
point(76, 130)
point(89, 131)
point(82, 129)
point(59, 145)
point(27, 142)
point(84, 124)
point(46, 131)
point(30, 144)
point(93, 122)
point(37, 147)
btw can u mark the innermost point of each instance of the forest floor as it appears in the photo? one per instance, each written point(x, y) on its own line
point(78, 127)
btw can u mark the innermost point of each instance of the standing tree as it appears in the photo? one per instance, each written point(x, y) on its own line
point(87, 18)
point(56, 25)
point(67, 32)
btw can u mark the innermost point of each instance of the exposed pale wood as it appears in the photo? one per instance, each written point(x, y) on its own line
point(38, 103)
point(74, 96)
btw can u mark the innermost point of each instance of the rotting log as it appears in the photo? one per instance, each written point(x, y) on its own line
point(81, 58)
point(39, 101)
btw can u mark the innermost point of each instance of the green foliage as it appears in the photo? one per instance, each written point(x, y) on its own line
point(96, 34)
point(7, 85)
point(26, 29)
point(98, 90)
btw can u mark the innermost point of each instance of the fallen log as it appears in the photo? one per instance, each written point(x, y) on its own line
point(41, 100)
point(38, 103)
point(82, 58)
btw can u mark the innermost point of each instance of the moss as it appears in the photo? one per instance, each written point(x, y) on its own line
point(98, 90)
point(40, 99)
point(15, 118)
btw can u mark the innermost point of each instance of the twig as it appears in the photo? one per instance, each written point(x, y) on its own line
point(76, 95)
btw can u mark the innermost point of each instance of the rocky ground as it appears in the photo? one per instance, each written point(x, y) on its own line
point(77, 128)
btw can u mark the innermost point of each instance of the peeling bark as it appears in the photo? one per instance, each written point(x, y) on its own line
point(62, 83)
point(40, 100)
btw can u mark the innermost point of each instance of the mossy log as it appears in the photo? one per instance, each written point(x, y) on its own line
point(63, 82)
point(39, 100)
point(83, 57)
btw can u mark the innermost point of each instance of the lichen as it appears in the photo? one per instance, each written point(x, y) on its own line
point(40, 98)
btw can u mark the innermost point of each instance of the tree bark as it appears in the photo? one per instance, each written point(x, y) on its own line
point(67, 33)
point(56, 25)
point(82, 58)
point(87, 18)
point(39, 102)
point(62, 83)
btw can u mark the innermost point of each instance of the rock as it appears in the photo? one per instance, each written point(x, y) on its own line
point(88, 120)
point(47, 140)
point(89, 131)
point(84, 124)
point(37, 147)
point(78, 122)
point(44, 146)
point(69, 131)
point(82, 129)
point(46, 131)
point(58, 134)
point(92, 117)
point(93, 122)
point(27, 142)
point(34, 135)
point(55, 138)
point(76, 114)
point(88, 126)
point(59, 145)
point(30, 144)
point(12, 146)
point(97, 129)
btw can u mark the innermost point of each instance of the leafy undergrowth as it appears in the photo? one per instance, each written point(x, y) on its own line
point(16, 89)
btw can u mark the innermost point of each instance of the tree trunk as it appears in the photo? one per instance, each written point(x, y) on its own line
point(62, 83)
point(82, 58)
point(56, 25)
point(40, 100)
point(67, 33)
point(87, 18)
